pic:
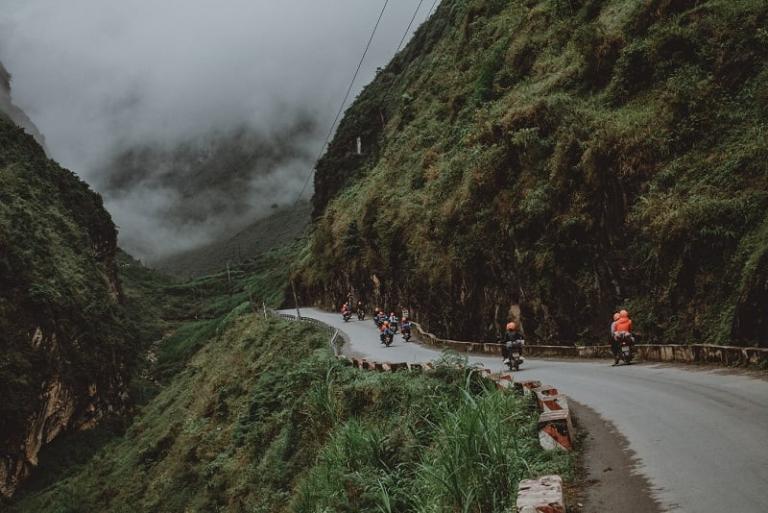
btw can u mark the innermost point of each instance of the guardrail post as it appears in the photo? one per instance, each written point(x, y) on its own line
point(333, 345)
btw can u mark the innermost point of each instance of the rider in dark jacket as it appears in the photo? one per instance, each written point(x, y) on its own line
point(514, 336)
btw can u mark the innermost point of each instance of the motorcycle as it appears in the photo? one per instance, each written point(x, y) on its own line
point(406, 332)
point(514, 355)
point(360, 314)
point(387, 338)
point(625, 348)
point(346, 315)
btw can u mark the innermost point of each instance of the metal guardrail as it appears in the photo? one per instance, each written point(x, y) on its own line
point(338, 337)
point(693, 353)
point(678, 353)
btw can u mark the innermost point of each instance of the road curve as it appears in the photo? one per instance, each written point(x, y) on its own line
point(700, 437)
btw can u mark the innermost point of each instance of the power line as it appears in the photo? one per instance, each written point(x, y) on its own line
point(432, 8)
point(402, 40)
point(407, 30)
point(344, 101)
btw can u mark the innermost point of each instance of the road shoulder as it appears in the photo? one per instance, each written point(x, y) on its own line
point(608, 480)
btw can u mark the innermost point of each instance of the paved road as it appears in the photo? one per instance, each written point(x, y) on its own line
point(699, 437)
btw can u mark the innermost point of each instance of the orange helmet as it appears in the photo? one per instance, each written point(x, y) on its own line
point(386, 323)
point(623, 313)
point(511, 326)
point(616, 316)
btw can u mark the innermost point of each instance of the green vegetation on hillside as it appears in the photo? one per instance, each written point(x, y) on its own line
point(262, 418)
point(566, 157)
point(62, 327)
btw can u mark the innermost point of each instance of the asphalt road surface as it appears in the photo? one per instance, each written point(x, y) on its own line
point(699, 437)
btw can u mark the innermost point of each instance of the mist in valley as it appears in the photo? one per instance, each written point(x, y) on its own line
point(191, 118)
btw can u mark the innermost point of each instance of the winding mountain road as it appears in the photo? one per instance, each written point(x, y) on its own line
point(699, 437)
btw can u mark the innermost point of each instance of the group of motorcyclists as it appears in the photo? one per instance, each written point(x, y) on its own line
point(512, 342)
point(388, 325)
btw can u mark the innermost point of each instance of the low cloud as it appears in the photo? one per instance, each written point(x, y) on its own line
point(172, 84)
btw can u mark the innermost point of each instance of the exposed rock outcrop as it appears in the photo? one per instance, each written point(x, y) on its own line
point(66, 343)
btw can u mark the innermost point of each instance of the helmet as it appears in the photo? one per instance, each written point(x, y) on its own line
point(616, 316)
point(511, 326)
point(392, 314)
point(623, 313)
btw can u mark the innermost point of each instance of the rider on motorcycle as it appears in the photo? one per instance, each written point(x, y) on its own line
point(345, 309)
point(405, 327)
point(393, 321)
point(385, 330)
point(622, 330)
point(515, 337)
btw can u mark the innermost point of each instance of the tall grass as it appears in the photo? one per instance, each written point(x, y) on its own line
point(482, 450)
point(470, 450)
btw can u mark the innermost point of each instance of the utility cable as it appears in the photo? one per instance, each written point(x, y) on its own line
point(344, 101)
point(407, 30)
point(399, 46)
point(431, 9)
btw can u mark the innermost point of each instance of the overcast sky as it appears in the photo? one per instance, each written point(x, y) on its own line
point(101, 76)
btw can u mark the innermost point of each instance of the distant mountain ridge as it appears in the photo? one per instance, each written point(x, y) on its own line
point(283, 226)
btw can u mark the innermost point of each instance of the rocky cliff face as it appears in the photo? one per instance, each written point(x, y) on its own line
point(564, 159)
point(66, 346)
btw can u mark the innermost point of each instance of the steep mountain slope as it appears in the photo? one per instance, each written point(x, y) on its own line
point(16, 115)
point(262, 417)
point(66, 346)
point(559, 159)
point(284, 226)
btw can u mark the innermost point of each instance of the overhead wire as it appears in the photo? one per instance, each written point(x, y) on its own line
point(399, 46)
point(431, 9)
point(408, 28)
point(354, 77)
point(344, 101)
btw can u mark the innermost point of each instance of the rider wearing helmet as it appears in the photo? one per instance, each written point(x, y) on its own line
point(393, 321)
point(515, 337)
point(623, 323)
point(622, 329)
point(384, 330)
point(406, 324)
